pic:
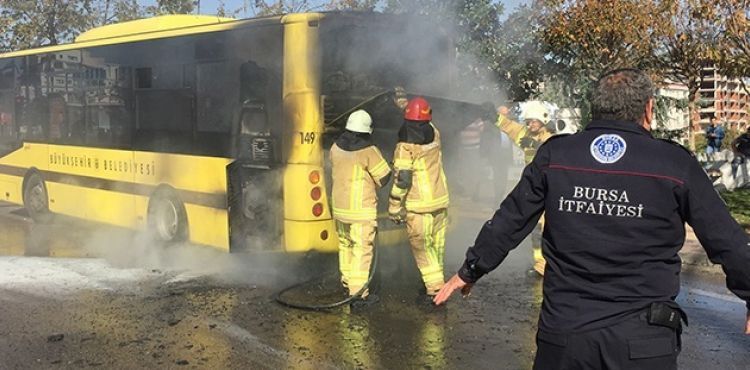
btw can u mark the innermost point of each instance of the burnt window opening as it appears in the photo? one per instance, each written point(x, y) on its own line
point(143, 78)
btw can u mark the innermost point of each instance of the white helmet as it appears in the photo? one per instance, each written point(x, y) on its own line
point(359, 121)
point(536, 110)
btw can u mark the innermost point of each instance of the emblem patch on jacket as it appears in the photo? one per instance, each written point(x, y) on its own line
point(608, 148)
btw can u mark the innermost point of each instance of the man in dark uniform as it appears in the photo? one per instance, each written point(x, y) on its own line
point(741, 149)
point(616, 201)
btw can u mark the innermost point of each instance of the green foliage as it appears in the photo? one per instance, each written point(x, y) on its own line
point(368, 5)
point(520, 63)
point(264, 8)
point(738, 202)
point(664, 104)
point(172, 7)
point(700, 143)
point(222, 11)
point(26, 24)
point(729, 136)
point(674, 135)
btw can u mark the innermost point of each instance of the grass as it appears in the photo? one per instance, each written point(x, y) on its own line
point(738, 202)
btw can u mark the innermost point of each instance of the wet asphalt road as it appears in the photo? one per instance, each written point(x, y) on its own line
point(199, 309)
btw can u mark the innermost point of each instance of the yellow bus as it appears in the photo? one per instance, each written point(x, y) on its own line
point(205, 129)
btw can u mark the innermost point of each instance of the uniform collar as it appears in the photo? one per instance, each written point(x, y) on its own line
point(618, 126)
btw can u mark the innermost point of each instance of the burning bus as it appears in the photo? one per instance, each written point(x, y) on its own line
point(209, 130)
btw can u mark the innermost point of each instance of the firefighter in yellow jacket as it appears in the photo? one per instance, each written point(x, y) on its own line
point(529, 137)
point(359, 169)
point(419, 195)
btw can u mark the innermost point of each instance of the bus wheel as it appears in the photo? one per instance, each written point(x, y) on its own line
point(167, 218)
point(35, 199)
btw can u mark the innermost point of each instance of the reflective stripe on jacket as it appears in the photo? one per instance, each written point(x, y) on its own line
point(356, 177)
point(517, 132)
point(428, 190)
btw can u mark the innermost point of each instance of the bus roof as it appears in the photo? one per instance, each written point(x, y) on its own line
point(160, 27)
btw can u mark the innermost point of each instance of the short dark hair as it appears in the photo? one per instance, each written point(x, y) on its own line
point(621, 95)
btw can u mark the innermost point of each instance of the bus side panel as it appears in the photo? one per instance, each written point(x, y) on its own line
point(303, 230)
point(198, 174)
point(141, 211)
point(303, 236)
point(199, 182)
point(110, 207)
point(209, 226)
point(67, 200)
point(14, 166)
point(11, 188)
point(29, 155)
point(92, 183)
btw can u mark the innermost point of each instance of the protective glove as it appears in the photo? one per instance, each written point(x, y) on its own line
point(527, 142)
point(397, 215)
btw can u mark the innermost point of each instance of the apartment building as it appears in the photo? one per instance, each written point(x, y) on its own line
point(723, 97)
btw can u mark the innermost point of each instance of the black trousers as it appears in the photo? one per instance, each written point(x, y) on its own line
point(630, 344)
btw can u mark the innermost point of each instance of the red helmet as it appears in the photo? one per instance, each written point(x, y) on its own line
point(418, 109)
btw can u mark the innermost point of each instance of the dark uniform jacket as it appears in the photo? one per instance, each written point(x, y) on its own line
point(616, 201)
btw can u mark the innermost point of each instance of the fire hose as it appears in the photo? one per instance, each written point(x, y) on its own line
point(327, 306)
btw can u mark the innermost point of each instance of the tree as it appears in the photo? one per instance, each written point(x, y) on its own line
point(26, 24)
point(687, 46)
point(111, 11)
point(519, 62)
point(222, 11)
point(42, 22)
point(593, 36)
point(172, 7)
point(263, 8)
point(582, 39)
point(733, 55)
point(368, 5)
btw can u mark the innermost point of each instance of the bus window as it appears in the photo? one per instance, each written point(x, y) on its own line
point(7, 100)
point(164, 120)
point(143, 78)
point(214, 108)
point(57, 117)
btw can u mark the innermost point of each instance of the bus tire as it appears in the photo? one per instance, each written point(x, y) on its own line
point(36, 199)
point(167, 219)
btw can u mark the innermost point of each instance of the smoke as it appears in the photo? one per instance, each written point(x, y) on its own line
point(362, 55)
point(384, 52)
point(184, 261)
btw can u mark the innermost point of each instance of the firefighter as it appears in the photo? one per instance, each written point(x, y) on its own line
point(615, 224)
point(359, 169)
point(419, 195)
point(529, 137)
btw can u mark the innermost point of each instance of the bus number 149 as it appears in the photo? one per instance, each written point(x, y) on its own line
point(307, 137)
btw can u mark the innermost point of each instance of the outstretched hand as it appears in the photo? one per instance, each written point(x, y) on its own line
point(747, 324)
point(455, 283)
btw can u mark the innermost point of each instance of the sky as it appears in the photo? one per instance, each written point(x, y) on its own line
point(209, 6)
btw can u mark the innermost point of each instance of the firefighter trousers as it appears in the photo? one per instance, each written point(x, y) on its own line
point(632, 344)
point(356, 242)
point(427, 239)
